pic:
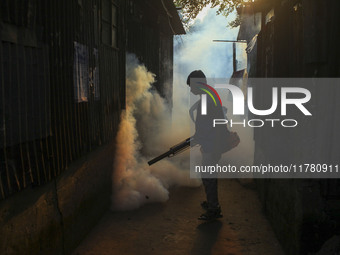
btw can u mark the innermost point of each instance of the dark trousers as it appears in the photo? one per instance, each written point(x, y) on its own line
point(210, 180)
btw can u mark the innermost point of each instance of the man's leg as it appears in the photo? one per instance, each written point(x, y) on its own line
point(210, 186)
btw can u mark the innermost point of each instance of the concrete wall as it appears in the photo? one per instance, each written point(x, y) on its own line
point(294, 208)
point(54, 218)
point(282, 206)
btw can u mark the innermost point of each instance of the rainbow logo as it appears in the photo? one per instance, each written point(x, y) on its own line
point(206, 90)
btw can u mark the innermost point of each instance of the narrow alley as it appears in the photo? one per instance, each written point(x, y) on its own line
point(173, 228)
point(92, 91)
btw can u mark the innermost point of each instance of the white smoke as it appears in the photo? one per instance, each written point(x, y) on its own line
point(197, 51)
point(134, 181)
point(148, 119)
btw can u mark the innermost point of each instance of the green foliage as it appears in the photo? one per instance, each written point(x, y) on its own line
point(236, 22)
point(191, 8)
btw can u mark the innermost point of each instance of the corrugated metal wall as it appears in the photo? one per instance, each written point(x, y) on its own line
point(301, 41)
point(61, 88)
point(303, 46)
point(150, 38)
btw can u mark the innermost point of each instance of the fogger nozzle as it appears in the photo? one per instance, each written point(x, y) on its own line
point(173, 150)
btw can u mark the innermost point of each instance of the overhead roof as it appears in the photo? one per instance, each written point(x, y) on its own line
point(167, 8)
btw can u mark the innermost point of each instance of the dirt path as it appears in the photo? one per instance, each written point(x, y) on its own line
point(173, 228)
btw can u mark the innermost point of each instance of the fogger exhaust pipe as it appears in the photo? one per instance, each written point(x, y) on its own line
point(173, 151)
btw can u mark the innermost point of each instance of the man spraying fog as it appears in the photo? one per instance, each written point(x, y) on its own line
point(208, 138)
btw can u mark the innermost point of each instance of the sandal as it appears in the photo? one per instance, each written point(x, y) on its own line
point(211, 214)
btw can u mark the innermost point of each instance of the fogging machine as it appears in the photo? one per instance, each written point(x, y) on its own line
point(173, 150)
point(228, 141)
